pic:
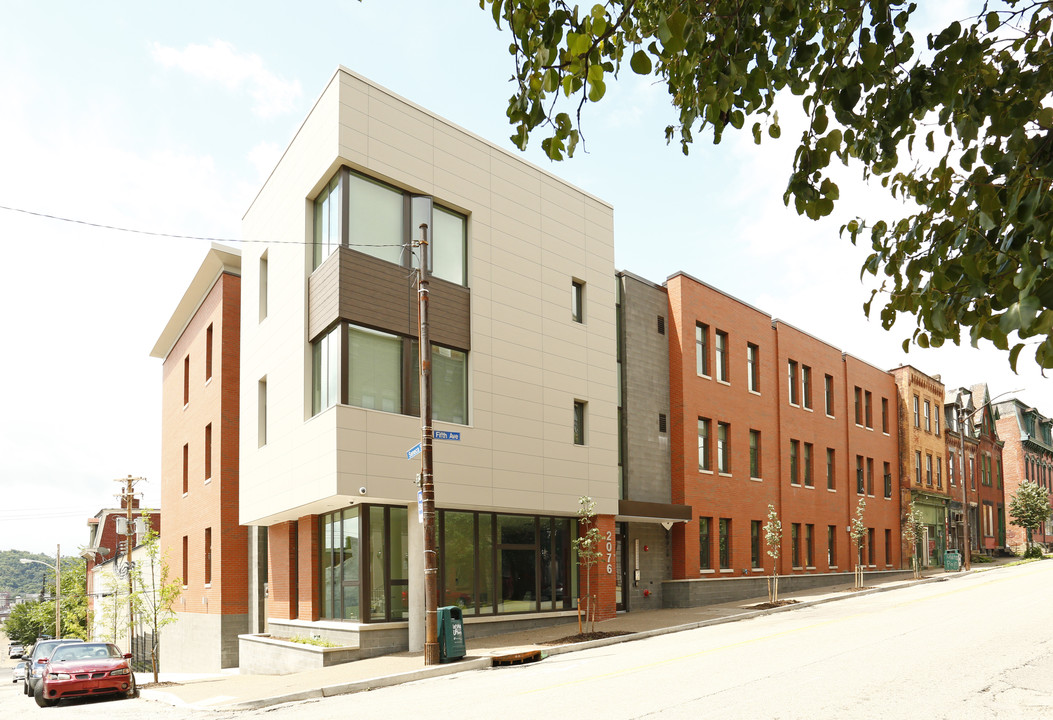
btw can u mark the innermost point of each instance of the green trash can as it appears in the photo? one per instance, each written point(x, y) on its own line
point(451, 633)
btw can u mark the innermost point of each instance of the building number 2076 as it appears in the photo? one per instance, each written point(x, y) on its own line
point(610, 548)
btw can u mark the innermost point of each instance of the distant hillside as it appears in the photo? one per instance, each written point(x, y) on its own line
point(25, 578)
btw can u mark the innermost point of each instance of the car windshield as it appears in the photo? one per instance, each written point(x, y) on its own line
point(85, 651)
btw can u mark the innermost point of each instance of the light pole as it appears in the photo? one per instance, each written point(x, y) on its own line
point(58, 585)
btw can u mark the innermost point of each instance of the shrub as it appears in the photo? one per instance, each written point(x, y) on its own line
point(1033, 552)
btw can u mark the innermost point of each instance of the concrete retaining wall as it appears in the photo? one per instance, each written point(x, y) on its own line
point(711, 591)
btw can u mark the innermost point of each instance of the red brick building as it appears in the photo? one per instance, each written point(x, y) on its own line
point(203, 541)
point(1027, 455)
point(764, 414)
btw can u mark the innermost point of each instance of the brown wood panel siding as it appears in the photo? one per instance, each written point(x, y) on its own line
point(374, 293)
point(322, 294)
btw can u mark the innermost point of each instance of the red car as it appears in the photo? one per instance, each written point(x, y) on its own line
point(83, 670)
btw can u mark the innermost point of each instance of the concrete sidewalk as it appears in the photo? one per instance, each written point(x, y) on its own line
point(232, 691)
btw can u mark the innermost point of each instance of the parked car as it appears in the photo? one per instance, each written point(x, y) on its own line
point(19, 673)
point(85, 669)
point(35, 668)
point(15, 650)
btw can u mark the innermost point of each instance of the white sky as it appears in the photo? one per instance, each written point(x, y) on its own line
point(169, 118)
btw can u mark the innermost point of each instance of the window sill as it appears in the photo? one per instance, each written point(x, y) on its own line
point(706, 571)
point(724, 474)
point(704, 376)
point(756, 479)
point(208, 381)
point(724, 382)
point(208, 481)
point(807, 409)
point(755, 392)
point(808, 486)
point(793, 404)
point(796, 567)
point(833, 490)
point(833, 567)
point(706, 472)
point(186, 405)
point(831, 416)
point(809, 567)
point(727, 571)
point(185, 494)
point(793, 484)
point(885, 433)
point(757, 570)
point(208, 585)
point(859, 425)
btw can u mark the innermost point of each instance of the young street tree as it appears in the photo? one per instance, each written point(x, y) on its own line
point(858, 530)
point(1029, 508)
point(957, 122)
point(773, 540)
point(157, 592)
point(587, 545)
point(912, 523)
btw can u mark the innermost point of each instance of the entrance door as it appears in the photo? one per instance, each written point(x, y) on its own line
point(620, 539)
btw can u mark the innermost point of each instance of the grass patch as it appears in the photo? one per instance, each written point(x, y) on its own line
point(317, 642)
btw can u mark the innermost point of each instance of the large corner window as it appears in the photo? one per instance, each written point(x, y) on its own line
point(370, 217)
point(383, 374)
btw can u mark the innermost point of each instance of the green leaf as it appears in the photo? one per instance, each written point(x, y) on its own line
point(640, 63)
point(1014, 354)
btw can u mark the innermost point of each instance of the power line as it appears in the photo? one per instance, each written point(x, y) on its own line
point(153, 233)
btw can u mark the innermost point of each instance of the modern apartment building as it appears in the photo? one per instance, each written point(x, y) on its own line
point(1027, 455)
point(974, 453)
point(922, 477)
point(203, 542)
point(761, 414)
point(525, 388)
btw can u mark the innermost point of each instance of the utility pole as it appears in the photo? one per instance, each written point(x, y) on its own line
point(427, 486)
point(967, 548)
point(129, 534)
point(58, 591)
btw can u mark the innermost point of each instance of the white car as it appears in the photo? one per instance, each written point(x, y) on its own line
point(19, 673)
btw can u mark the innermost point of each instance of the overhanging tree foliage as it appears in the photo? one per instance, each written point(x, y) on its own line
point(957, 122)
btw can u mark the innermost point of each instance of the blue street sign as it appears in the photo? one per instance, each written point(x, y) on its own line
point(446, 435)
point(413, 452)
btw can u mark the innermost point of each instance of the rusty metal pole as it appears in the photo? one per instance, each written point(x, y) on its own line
point(967, 548)
point(128, 562)
point(431, 565)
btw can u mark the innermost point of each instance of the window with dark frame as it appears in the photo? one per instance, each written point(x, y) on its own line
point(884, 415)
point(705, 551)
point(753, 367)
point(831, 546)
point(755, 543)
point(830, 469)
point(579, 422)
point(860, 480)
point(917, 467)
point(723, 447)
point(806, 386)
point(870, 477)
point(828, 381)
point(186, 381)
point(792, 381)
point(795, 545)
point(208, 353)
point(725, 543)
point(577, 301)
point(859, 406)
point(755, 453)
point(208, 556)
point(868, 408)
point(704, 453)
point(721, 351)
point(208, 451)
point(661, 324)
point(888, 480)
point(795, 449)
point(809, 545)
point(808, 481)
point(186, 559)
point(186, 468)
point(662, 429)
point(702, 349)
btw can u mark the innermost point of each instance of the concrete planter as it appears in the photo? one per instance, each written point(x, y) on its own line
point(263, 655)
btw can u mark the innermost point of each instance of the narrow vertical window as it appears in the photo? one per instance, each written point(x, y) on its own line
point(723, 447)
point(704, 462)
point(721, 350)
point(928, 469)
point(208, 451)
point(831, 546)
point(186, 469)
point(186, 381)
point(661, 324)
point(830, 469)
point(939, 472)
point(725, 543)
point(702, 349)
point(917, 412)
point(662, 424)
point(870, 477)
point(868, 408)
point(928, 420)
point(936, 421)
point(888, 547)
point(950, 469)
point(870, 546)
point(755, 543)
point(579, 422)
point(860, 481)
point(261, 412)
point(806, 386)
point(884, 415)
point(794, 473)
point(753, 367)
point(828, 381)
point(705, 552)
point(264, 280)
point(186, 559)
point(917, 467)
point(577, 301)
point(791, 371)
point(809, 545)
point(888, 480)
point(808, 482)
point(859, 406)
point(208, 354)
point(208, 556)
point(795, 544)
point(755, 449)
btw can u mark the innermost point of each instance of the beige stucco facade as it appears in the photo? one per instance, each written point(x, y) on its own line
point(529, 235)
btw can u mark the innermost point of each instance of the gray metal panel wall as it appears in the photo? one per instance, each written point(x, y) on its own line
point(645, 393)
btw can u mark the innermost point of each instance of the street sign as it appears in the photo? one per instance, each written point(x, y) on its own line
point(420, 507)
point(413, 452)
point(446, 435)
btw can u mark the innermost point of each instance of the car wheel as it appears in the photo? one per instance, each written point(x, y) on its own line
point(38, 695)
point(133, 691)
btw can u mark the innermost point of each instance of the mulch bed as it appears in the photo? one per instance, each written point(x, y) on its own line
point(584, 637)
point(152, 685)
point(777, 603)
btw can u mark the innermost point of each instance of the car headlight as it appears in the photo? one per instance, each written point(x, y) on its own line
point(121, 671)
point(59, 676)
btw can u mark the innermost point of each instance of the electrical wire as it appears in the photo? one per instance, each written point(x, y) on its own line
point(176, 235)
